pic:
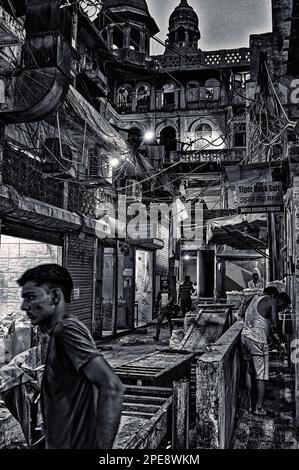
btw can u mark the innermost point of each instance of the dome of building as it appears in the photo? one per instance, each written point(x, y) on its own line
point(183, 15)
point(183, 29)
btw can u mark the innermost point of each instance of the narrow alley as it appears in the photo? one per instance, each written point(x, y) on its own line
point(149, 225)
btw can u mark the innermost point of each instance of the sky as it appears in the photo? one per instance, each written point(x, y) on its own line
point(223, 23)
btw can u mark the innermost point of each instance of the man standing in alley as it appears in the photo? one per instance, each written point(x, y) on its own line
point(185, 292)
point(262, 311)
point(164, 308)
point(255, 283)
point(81, 396)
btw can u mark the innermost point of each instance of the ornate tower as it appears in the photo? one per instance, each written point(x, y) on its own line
point(127, 27)
point(183, 29)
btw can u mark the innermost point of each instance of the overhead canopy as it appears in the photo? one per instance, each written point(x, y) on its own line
point(78, 110)
point(83, 111)
point(243, 232)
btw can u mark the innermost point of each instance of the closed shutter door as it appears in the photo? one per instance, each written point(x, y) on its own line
point(162, 256)
point(79, 262)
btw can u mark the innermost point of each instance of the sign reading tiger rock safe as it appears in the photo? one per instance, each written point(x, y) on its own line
point(262, 196)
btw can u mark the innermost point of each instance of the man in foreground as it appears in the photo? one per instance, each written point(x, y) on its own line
point(81, 396)
point(262, 311)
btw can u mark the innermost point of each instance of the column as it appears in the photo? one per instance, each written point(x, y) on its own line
point(142, 41)
point(201, 280)
point(110, 36)
point(177, 98)
point(186, 37)
point(153, 99)
point(159, 99)
point(127, 37)
point(183, 97)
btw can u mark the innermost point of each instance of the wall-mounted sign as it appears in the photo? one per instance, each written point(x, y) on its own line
point(262, 196)
point(76, 294)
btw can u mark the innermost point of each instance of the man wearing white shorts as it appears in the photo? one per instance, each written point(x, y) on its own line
point(262, 310)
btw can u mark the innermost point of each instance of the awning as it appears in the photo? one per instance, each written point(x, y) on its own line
point(108, 137)
point(43, 216)
point(243, 232)
point(147, 243)
point(77, 110)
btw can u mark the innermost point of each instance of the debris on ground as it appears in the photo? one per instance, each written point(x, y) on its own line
point(131, 341)
point(176, 339)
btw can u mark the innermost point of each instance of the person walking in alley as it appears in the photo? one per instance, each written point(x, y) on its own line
point(164, 307)
point(185, 292)
point(255, 283)
point(262, 311)
point(81, 396)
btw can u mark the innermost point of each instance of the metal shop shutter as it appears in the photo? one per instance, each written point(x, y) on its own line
point(80, 263)
point(162, 256)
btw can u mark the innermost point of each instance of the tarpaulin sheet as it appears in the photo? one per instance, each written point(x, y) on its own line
point(20, 382)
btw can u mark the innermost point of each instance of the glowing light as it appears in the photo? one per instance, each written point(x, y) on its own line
point(114, 162)
point(149, 136)
point(186, 257)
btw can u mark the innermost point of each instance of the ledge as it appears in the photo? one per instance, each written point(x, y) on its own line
point(44, 216)
point(224, 344)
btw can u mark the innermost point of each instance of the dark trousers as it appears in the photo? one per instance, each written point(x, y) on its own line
point(164, 313)
point(186, 305)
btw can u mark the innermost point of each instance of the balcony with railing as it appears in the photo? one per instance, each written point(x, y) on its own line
point(96, 75)
point(220, 58)
point(202, 156)
point(129, 55)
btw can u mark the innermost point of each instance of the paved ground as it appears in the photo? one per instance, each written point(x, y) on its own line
point(277, 430)
point(133, 345)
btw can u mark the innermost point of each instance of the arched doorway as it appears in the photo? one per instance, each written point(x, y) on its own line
point(168, 139)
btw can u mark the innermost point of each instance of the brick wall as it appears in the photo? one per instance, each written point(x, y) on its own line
point(16, 256)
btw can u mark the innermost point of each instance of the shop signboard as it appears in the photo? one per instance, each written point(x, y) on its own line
point(261, 196)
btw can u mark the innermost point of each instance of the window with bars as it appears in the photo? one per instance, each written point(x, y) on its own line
point(240, 134)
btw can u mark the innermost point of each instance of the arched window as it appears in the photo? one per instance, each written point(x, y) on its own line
point(202, 136)
point(193, 92)
point(168, 139)
point(212, 87)
point(180, 35)
point(143, 93)
point(124, 98)
point(168, 92)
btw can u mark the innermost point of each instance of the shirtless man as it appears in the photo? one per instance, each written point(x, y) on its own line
point(254, 340)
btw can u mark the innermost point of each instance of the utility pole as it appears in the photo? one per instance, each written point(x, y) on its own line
point(263, 82)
